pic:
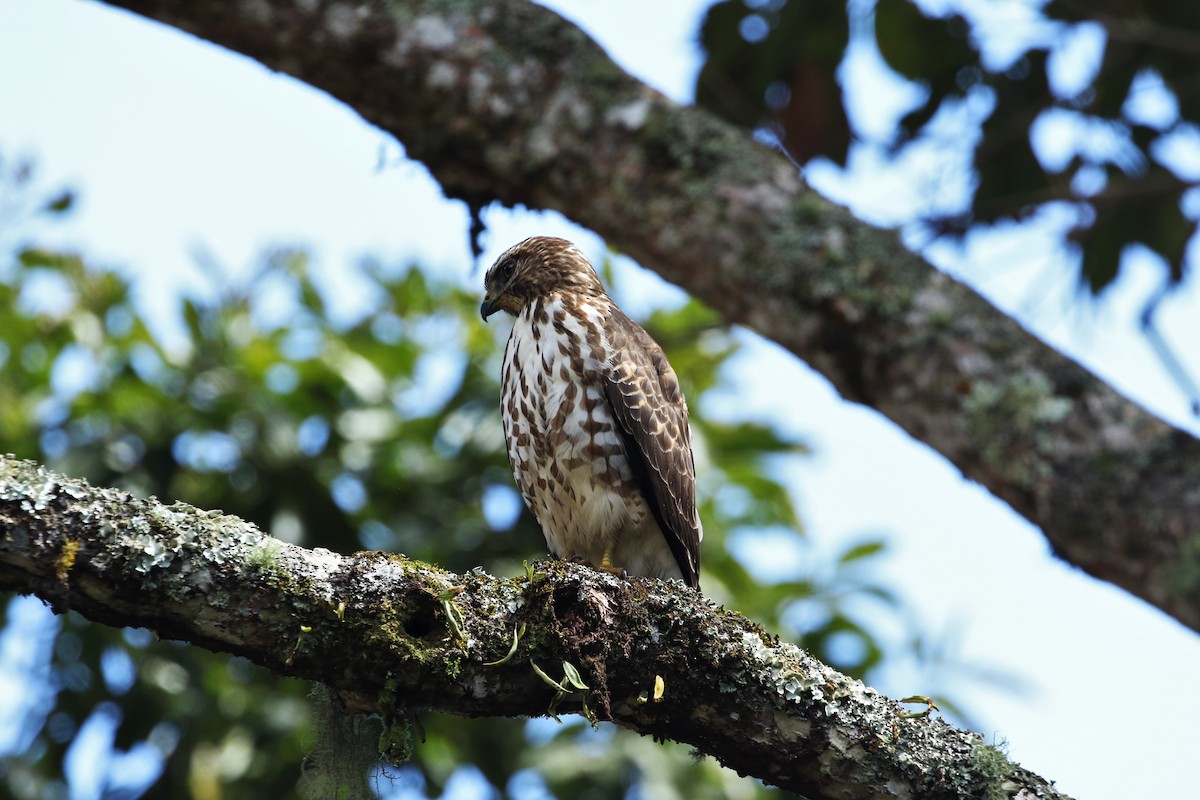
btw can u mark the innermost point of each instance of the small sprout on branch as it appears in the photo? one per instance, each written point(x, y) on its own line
point(930, 707)
point(559, 691)
point(553, 684)
point(532, 575)
point(660, 686)
point(304, 631)
point(518, 632)
point(455, 619)
point(570, 685)
point(571, 676)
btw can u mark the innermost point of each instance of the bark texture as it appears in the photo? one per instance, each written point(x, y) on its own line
point(506, 102)
point(392, 635)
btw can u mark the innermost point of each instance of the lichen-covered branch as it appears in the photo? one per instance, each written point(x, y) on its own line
point(390, 635)
point(504, 101)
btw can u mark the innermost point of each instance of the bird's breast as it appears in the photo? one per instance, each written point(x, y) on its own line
point(566, 452)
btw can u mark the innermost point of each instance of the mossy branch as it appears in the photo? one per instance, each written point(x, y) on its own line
point(657, 658)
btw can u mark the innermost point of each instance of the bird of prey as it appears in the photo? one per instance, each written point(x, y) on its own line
point(594, 420)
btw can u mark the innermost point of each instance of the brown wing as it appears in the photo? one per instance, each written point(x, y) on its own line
point(643, 392)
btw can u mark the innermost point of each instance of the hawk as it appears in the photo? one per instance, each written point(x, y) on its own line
point(594, 420)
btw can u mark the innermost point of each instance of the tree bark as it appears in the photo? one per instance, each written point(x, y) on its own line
point(392, 635)
point(506, 102)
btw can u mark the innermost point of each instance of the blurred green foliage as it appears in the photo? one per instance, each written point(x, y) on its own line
point(379, 430)
point(778, 65)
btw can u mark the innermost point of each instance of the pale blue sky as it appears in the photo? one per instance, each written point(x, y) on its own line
point(175, 144)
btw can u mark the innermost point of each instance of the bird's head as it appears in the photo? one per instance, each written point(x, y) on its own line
point(536, 267)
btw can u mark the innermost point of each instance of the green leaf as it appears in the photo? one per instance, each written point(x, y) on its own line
point(37, 257)
point(572, 676)
point(553, 684)
point(61, 203)
point(861, 551)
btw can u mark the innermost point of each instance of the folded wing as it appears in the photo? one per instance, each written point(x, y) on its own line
point(644, 395)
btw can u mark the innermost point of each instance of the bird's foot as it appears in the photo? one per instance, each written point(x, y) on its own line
point(606, 565)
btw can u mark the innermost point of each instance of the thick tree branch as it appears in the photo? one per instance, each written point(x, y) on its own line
point(504, 101)
point(392, 635)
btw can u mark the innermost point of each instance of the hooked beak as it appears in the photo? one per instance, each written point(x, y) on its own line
point(488, 307)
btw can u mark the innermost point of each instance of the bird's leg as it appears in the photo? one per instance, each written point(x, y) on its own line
point(606, 563)
point(606, 560)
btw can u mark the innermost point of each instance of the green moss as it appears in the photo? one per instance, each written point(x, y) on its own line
point(656, 130)
point(392, 633)
point(941, 319)
point(396, 741)
point(344, 750)
point(809, 208)
point(265, 556)
point(601, 72)
point(1010, 417)
point(1182, 575)
point(994, 769)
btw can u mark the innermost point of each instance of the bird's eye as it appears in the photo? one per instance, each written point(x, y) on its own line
point(505, 270)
